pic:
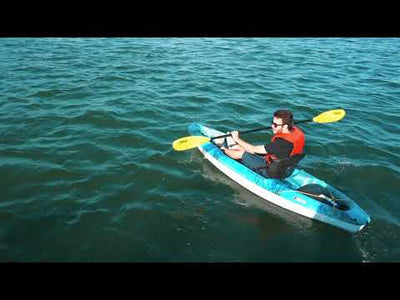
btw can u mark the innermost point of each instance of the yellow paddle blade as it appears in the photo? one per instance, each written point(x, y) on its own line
point(330, 116)
point(189, 142)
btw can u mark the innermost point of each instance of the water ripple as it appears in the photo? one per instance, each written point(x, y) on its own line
point(87, 128)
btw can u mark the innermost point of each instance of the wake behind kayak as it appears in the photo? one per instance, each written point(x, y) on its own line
point(301, 192)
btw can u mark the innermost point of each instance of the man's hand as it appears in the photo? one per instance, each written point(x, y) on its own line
point(235, 135)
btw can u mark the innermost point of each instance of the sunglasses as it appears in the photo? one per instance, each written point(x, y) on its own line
point(276, 125)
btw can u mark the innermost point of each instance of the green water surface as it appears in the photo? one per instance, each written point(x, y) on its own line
point(88, 174)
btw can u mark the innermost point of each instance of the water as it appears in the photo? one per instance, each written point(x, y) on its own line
point(88, 172)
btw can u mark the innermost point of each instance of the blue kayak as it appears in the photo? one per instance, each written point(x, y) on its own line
point(301, 192)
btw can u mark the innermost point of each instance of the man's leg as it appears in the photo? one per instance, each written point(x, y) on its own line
point(253, 161)
point(236, 152)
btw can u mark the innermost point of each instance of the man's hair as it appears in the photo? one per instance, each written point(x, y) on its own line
point(286, 116)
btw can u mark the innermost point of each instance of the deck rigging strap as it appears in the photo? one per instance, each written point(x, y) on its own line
point(322, 196)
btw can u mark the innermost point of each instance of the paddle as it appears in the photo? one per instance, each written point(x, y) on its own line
point(190, 142)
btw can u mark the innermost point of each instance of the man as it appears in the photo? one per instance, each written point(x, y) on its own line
point(288, 141)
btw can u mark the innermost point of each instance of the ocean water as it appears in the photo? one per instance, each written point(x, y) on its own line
point(88, 173)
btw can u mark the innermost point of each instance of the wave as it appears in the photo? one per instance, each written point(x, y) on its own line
point(88, 140)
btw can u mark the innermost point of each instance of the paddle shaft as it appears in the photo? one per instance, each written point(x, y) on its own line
point(257, 129)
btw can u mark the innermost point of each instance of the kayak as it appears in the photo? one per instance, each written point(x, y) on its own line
point(300, 192)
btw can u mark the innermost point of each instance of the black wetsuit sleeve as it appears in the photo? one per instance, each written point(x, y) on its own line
point(280, 147)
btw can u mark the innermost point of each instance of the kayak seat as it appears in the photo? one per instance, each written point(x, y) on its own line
point(283, 168)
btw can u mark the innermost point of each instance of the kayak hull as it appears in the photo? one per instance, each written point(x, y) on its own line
point(285, 192)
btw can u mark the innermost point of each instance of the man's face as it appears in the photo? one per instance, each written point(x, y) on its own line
point(277, 125)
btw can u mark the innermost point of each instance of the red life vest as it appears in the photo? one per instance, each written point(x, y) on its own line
point(296, 137)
